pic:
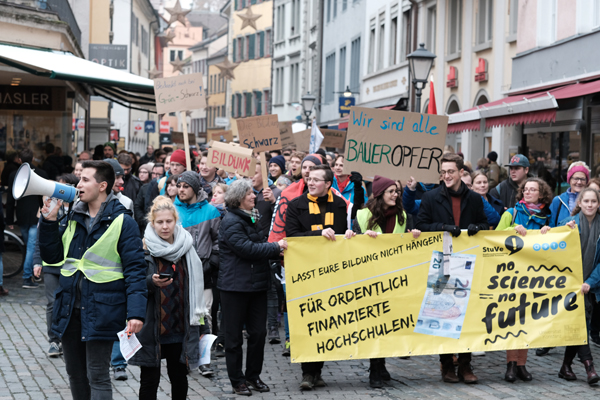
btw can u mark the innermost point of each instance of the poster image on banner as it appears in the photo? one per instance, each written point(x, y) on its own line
point(179, 93)
point(395, 144)
point(259, 133)
point(388, 297)
point(231, 158)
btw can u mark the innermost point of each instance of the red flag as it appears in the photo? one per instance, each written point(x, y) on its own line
point(431, 107)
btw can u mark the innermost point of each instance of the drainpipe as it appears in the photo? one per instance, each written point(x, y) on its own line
point(413, 47)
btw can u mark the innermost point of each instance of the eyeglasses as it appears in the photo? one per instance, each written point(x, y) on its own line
point(450, 172)
point(392, 191)
point(580, 180)
point(526, 190)
point(286, 154)
point(127, 170)
point(156, 174)
point(315, 180)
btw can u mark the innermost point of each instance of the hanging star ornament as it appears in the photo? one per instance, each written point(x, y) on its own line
point(249, 19)
point(154, 73)
point(178, 65)
point(226, 68)
point(177, 14)
point(170, 35)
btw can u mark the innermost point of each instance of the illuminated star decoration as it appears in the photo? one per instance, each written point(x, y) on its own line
point(178, 65)
point(226, 68)
point(170, 35)
point(249, 19)
point(154, 73)
point(177, 14)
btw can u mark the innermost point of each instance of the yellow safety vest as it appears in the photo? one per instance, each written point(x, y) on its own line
point(101, 263)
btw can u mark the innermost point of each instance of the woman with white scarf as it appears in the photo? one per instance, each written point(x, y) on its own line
point(175, 312)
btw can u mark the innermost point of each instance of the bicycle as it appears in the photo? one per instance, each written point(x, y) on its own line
point(13, 256)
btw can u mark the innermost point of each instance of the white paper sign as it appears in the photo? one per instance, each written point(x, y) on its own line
point(129, 345)
point(205, 345)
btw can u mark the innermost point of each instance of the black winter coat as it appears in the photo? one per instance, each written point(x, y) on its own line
point(297, 220)
point(506, 192)
point(243, 254)
point(149, 337)
point(131, 186)
point(436, 211)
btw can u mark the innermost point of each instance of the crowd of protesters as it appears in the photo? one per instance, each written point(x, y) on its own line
point(214, 246)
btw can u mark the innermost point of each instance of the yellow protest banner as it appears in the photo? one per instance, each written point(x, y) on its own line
point(389, 297)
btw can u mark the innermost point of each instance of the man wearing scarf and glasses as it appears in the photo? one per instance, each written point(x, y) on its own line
point(317, 213)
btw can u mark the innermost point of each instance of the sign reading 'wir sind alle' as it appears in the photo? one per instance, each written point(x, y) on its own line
point(395, 144)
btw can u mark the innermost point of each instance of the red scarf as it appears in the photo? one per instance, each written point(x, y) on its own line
point(342, 185)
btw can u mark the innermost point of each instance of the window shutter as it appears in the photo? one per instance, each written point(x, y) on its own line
point(239, 105)
point(234, 50)
point(253, 1)
point(251, 45)
point(236, 5)
point(258, 103)
point(261, 44)
point(233, 104)
point(248, 104)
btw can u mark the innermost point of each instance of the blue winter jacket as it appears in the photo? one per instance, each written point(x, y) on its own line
point(524, 217)
point(105, 307)
point(560, 209)
point(348, 192)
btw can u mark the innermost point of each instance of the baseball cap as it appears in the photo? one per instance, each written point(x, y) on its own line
point(519, 160)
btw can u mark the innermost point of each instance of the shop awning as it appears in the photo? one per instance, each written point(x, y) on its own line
point(127, 89)
point(531, 108)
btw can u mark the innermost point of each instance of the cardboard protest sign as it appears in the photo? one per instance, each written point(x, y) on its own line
point(395, 144)
point(231, 158)
point(227, 135)
point(333, 138)
point(179, 93)
point(388, 297)
point(286, 134)
point(259, 133)
point(177, 137)
point(302, 140)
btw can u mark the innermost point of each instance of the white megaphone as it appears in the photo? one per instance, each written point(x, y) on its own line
point(28, 183)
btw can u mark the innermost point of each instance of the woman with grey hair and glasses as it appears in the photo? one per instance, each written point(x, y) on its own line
point(244, 274)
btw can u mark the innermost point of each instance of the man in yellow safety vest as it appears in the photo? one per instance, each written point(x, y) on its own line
point(102, 287)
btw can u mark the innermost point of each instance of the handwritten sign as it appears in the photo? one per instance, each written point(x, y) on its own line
point(286, 134)
point(331, 138)
point(231, 158)
point(227, 135)
point(395, 144)
point(259, 133)
point(179, 93)
point(177, 137)
point(388, 297)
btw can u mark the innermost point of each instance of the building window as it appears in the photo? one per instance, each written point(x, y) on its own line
point(381, 42)
point(546, 23)
point(261, 44)
point(406, 39)
point(455, 28)
point(144, 41)
point(596, 14)
point(334, 9)
point(239, 104)
point(268, 42)
point(135, 29)
point(295, 28)
point(485, 17)
point(431, 28)
point(344, 5)
point(281, 22)
point(513, 19)
point(394, 35)
point(176, 54)
point(330, 78)
point(355, 66)
point(294, 83)
point(342, 69)
point(371, 61)
point(279, 85)
point(328, 10)
point(234, 54)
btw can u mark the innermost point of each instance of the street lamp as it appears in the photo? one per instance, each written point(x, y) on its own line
point(308, 102)
point(419, 63)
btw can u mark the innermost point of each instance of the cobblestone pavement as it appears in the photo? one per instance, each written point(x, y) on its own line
point(26, 372)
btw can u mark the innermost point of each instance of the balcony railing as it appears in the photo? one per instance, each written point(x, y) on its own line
point(60, 7)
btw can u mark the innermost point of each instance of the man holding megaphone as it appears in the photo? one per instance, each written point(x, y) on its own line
point(102, 282)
